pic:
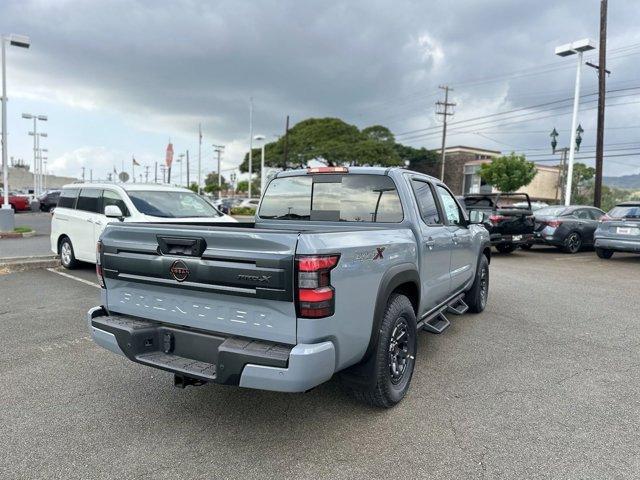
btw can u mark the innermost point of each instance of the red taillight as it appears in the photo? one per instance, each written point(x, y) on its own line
point(99, 272)
point(554, 223)
point(328, 170)
point(316, 296)
point(496, 218)
point(605, 218)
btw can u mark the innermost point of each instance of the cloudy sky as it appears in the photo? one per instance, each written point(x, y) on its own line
point(121, 77)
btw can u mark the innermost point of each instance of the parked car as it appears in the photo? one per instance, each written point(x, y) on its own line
point(49, 200)
point(568, 228)
point(250, 203)
point(17, 201)
point(619, 230)
point(508, 218)
point(84, 210)
point(341, 269)
point(226, 204)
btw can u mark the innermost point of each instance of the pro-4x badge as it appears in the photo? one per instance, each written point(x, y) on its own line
point(379, 253)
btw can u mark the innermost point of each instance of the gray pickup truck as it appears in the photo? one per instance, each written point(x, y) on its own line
point(340, 271)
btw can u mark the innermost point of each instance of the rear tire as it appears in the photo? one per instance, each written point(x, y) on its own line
point(394, 357)
point(572, 243)
point(478, 294)
point(67, 257)
point(604, 253)
point(526, 246)
point(505, 247)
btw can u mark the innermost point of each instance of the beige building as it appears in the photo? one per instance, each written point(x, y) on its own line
point(462, 166)
point(21, 178)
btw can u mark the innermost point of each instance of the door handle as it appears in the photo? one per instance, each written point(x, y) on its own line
point(89, 220)
point(455, 239)
point(430, 243)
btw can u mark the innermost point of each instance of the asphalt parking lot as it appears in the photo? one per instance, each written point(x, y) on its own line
point(544, 384)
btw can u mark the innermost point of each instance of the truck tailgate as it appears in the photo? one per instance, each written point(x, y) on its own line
point(231, 280)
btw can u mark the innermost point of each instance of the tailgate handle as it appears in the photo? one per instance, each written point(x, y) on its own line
point(189, 247)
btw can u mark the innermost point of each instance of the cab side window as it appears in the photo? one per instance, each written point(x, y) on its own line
point(450, 206)
point(112, 198)
point(90, 200)
point(426, 202)
point(582, 214)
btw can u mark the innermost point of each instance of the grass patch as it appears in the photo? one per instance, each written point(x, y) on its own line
point(23, 229)
point(243, 211)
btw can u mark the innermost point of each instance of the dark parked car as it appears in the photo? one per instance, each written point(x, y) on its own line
point(507, 216)
point(619, 230)
point(49, 200)
point(568, 228)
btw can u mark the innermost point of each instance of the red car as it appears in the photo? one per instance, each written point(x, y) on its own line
point(19, 203)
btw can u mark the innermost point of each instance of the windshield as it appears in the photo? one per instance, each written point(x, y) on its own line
point(631, 211)
point(551, 211)
point(172, 204)
point(332, 198)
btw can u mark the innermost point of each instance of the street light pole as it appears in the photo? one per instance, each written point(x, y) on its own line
point(578, 47)
point(7, 219)
point(262, 139)
point(250, 144)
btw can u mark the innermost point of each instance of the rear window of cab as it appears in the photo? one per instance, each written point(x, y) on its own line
point(333, 198)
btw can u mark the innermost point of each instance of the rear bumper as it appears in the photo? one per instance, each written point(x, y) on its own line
point(214, 358)
point(498, 238)
point(618, 245)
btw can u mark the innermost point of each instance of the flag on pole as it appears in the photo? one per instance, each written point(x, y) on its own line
point(114, 170)
point(135, 162)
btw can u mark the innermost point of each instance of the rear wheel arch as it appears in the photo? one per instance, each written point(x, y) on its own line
point(402, 279)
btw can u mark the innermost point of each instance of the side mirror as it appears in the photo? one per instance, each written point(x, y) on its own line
point(113, 211)
point(477, 216)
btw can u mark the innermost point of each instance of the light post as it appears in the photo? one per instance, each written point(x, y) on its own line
point(45, 172)
point(40, 169)
point(261, 139)
point(7, 219)
point(562, 178)
point(219, 149)
point(35, 118)
point(37, 161)
point(578, 47)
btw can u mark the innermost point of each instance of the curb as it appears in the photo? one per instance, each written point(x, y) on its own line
point(23, 264)
point(17, 234)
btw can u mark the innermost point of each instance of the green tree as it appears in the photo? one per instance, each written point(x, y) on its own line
point(582, 184)
point(331, 141)
point(211, 183)
point(419, 159)
point(193, 187)
point(243, 186)
point(508, 173)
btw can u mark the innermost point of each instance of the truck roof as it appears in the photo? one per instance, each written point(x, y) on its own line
point(356, 170)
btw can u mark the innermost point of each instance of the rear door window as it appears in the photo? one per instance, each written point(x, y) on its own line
point(68, 198)
point(90, 200)
point(333, 197)
point(426, 202)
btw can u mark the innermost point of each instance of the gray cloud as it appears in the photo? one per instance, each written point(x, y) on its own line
point(174, 63)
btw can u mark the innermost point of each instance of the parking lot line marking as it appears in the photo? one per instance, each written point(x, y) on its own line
point(81, 280)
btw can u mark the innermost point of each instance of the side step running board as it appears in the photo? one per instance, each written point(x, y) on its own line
point(437, 324)
point(436, 321)
point(459, 308)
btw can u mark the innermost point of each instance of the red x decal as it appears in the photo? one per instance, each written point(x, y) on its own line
point(379, 254)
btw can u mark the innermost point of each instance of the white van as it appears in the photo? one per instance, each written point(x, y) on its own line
point(84, 210)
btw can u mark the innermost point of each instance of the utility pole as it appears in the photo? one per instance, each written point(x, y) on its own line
point(602, 69)
point(82, 174)
point(199, 159)
point(90, 175)
point(155, 177)
point(442, 108)
point(188, 169)
point(219, 149)
point(250, 145)
point(146, 174)
point(286, 144)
